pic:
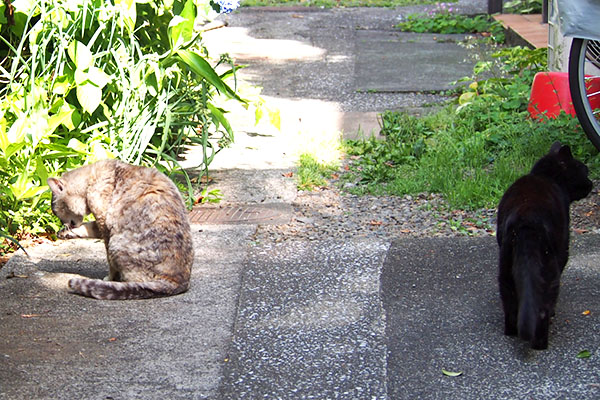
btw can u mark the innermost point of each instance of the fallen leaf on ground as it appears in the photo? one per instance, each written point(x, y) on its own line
point(451, 373)
point(375, 223)
point(288, 174)
point(583, 354)
point(12, 275)
point(30, 315)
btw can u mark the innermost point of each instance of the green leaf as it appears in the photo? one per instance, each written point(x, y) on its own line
point(64, 116)
point(89, 96)
point(80, 55)
point(219, 116)
point(13, 148)
point(584, 354)
point(61, 85)
point(80, 77)
point(275, 118)
point(466, 97)
point(40, 169)
point(98, 77)
point(201, 67)
point(451, 373)
point(76, 145)
point(181, 27)
point(4, 142)
point(23, 188)
point(33, 191)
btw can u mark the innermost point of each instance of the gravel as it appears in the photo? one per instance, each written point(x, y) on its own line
point(327, 213)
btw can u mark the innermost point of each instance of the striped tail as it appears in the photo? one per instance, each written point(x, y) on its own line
point(111, 290)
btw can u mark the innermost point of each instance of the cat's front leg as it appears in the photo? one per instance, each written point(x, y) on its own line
point(87, 230)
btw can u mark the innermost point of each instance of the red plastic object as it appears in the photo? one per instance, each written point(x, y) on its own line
point(550, 95)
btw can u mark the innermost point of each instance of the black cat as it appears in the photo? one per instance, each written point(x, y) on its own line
point(533, 235)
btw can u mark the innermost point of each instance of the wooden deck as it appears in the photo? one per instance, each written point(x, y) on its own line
point(528, 27)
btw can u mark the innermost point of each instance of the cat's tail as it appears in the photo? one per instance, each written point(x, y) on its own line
point(532, 323)
point(111, 290)
point(527, 317)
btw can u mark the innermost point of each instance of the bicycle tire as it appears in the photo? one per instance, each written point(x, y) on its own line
point(588, 119)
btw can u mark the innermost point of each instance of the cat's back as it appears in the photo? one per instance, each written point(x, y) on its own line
point(141, 187)
point(534, 201)
point(138, 200)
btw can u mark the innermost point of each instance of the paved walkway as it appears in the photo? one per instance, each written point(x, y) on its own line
point(352, 319)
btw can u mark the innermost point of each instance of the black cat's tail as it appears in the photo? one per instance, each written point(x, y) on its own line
point(111, 290)
point(532, 323)
point(527, 317)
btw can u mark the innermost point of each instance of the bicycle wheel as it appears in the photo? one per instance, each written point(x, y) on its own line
point(584, 83)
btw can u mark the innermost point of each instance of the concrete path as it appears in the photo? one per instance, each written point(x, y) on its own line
point(339, 319)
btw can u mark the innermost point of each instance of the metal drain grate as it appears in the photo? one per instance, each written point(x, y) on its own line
point(265, 214)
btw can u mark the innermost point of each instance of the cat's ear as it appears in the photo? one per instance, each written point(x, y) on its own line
point(555, 148)
point(56, 185)
point(565, 152)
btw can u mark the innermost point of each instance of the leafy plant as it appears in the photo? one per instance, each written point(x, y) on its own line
point(83, 80)
point(12, 240)
point(523, 7)
point(469, 152)
point(444, 22)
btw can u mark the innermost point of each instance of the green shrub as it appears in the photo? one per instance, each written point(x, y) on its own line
point(83, 80)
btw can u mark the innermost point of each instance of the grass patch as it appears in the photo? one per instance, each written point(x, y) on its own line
point(471, 151)
point(335, 3)
point(313, 173)
point(443, 21)
point(471, 167)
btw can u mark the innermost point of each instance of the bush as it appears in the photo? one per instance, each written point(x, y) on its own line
point(83, 80)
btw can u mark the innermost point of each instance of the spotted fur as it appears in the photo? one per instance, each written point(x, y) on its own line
point(142, 219)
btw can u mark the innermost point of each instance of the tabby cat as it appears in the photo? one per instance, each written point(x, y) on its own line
point(140, 215)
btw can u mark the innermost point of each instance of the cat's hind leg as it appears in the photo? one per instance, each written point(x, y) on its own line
point(511, 309)
point(508, 293)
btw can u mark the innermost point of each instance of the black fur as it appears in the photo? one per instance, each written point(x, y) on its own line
point(533, 235)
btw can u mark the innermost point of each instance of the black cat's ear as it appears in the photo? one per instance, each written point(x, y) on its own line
point(565, 152)
point(555, 148)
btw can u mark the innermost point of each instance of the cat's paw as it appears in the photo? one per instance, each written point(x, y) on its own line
point(510, 330)
point(66, 233)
